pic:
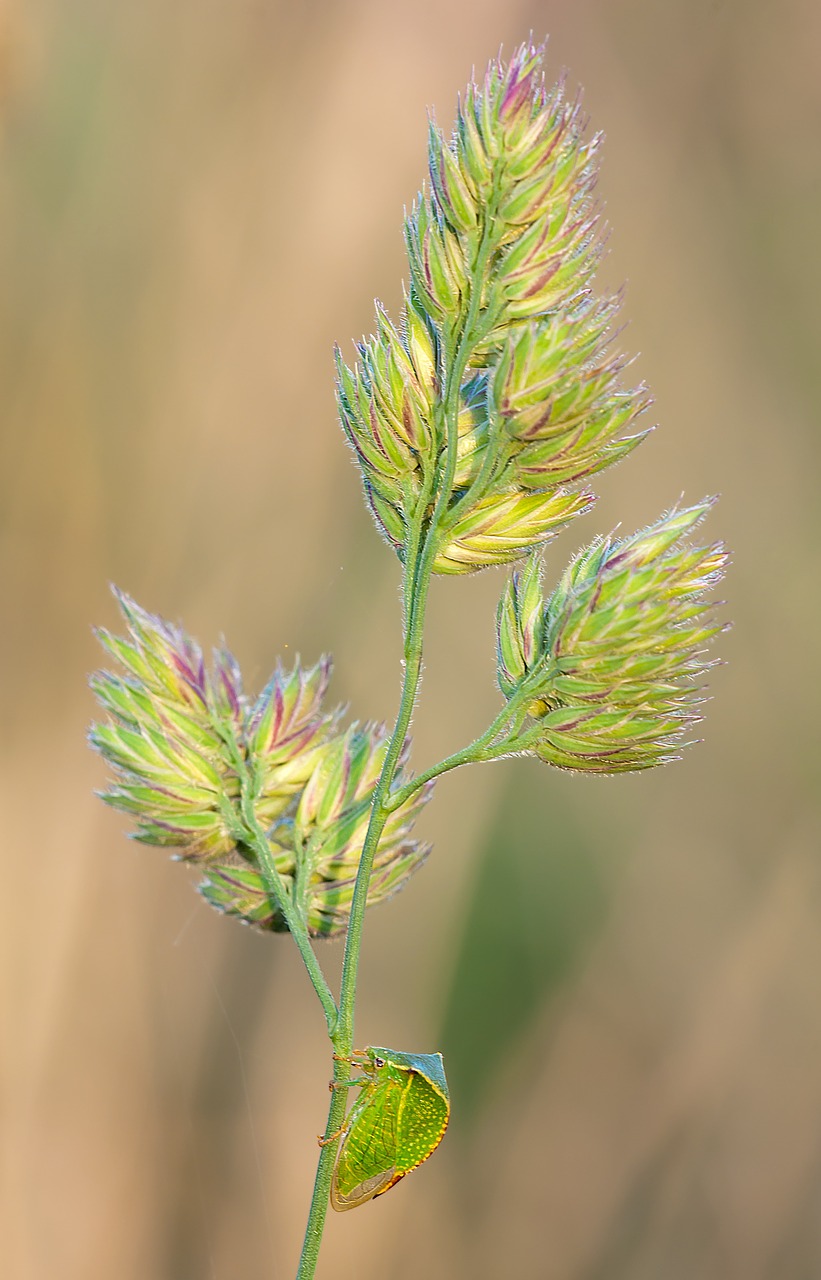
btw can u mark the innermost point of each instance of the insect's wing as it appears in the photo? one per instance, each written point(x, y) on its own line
point(366, 1159)
point(363, 1191)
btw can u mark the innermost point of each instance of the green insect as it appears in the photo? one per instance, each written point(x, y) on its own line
point(396, 1122)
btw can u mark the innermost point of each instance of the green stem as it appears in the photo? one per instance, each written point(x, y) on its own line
point(250, 832)
point(478, 752)
point(482, 750)
point(258, 842)
point(343, 1035)
point(421, 550)
point(471, 754)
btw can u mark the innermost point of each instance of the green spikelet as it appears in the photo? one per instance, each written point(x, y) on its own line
point(518, 154)
point(185, 742)
point(519, 625)
point(284, 731)
point(556, 389)
point(317, 848)
point(386, 406)
point(165, 738)
point(504, 526)
point(502, 246)
point(611, 672)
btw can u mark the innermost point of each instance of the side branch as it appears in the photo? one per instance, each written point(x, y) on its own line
point(258, 842)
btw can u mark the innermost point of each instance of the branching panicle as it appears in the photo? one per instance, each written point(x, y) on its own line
point(477, 422)
point(190, 750)
point(502, 247)
point(612, 670)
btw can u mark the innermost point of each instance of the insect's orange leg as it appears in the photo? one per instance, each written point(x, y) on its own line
point(356, 1055)
point(332, 1137)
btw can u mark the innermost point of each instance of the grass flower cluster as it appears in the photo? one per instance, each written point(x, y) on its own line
point(477, 422)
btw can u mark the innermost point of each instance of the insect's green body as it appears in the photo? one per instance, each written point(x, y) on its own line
point(396, 1122)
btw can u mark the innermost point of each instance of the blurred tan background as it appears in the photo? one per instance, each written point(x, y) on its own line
point(625, 976)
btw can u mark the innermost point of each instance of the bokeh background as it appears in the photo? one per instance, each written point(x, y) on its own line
point(196, 200)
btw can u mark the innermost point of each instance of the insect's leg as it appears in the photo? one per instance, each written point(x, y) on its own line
point(348, 1084)
point(332, 1137)
point(355, 1056)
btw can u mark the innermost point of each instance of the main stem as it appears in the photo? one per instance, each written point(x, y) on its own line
point(420, 552)
point(343, 1036)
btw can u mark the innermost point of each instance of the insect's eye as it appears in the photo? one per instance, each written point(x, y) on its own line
point(379, 1062)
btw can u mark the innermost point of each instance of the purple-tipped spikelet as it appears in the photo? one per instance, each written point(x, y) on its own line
point(183, 740)
point(166, 735)
point(556, 390)
point(519, 626)
point(317, 848)
point(386, 407)
point(611, 667)
point(501, 334)
point(284, 732)
point(519, 170)
point(504, 526)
